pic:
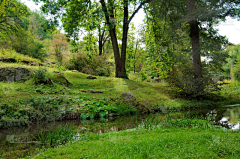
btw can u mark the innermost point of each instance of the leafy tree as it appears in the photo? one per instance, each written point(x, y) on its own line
point(76, 11)
point(60, 45)
point(195, 18)
point(233, 52)
point(12, 19)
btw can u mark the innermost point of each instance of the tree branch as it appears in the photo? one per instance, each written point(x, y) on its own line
point(138, 8)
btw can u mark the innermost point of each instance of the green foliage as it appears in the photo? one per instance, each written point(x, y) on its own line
point(103, 108)
point(27, 44)
point(143, 75)
point(12, 19)
point(5, 53)
point(60, 136)
point(236, 69)
point(40, 76)
point(97, 65)
point(175, 142)
point(60, 45)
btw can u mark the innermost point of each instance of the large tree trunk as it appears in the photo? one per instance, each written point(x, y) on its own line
point(119, 61)
point(194, 35)
point(122, 72)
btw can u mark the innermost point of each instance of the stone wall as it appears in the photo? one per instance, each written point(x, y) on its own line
point(13, 74)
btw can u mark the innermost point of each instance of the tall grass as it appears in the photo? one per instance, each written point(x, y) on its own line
point(59, 136)
point(152, 122)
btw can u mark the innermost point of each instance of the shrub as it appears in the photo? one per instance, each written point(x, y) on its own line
point(143, 75)
point(40, 75)
point(182, 77)
point(102, 71)
point(236, 73)
point(97, 65)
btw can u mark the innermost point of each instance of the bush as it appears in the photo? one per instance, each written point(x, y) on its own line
point(236, 73)
point(40, 75)
point(97, 65)
point(182, 77)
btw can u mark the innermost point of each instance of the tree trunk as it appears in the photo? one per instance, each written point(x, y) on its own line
point(194, 35)
point(100, 41)
point(109, 15)
point(122, 72)
point(231, 69)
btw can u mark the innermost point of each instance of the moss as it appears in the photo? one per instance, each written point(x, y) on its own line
point(13, 74)
point(61, 79)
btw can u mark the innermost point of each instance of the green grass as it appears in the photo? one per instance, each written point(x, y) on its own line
point(156, 95)
point(155, 143)
point(18, 57)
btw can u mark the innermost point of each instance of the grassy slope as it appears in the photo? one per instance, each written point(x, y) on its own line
point(157, 143)
point(153, 93)
point(18, 96)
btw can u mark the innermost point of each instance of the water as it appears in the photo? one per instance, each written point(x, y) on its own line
point(227, 117)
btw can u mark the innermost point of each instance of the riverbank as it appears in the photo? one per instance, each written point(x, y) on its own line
point(164, 142)
point(23, 103)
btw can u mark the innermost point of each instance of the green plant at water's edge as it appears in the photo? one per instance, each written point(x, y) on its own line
point(151, 122)
point(59, 136)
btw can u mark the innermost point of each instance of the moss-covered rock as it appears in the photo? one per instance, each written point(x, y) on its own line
point(13, 74)
point(135, 102)
point(61, 79)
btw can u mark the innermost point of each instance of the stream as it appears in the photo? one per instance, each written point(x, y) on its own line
point(227, 117)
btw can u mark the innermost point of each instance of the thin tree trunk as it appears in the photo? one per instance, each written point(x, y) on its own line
point(194, 35)
point(231, 69)
point(99, 41)
point(134, 66)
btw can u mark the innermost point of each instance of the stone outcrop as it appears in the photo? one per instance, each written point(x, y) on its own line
point(60, 78)
point(14, 74)
point(91, 77)
point(136, 103)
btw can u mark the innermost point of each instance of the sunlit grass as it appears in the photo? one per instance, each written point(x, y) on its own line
point(155, 143)
point(18, 57)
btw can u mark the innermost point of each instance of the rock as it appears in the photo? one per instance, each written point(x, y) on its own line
point(157, 79)
point(82, 90)
point(130, 99)
point(74, 70)
point(13, 74)
point(60, 78)
point(94, 91)
point(91, 77)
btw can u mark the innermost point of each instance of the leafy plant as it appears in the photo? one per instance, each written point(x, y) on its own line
point(96, 65)
point(40, 76)
point(61, 135)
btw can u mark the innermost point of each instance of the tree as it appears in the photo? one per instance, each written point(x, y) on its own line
point(76, 11)
point(12, 18)
point(59, 44)
point(200, 16)
point(233, 52)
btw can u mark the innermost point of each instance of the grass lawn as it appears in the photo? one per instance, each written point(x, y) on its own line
point(155, 143)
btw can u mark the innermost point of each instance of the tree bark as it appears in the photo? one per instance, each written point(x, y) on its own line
point(194, 35)
point(100, 41)
point(122, 72)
